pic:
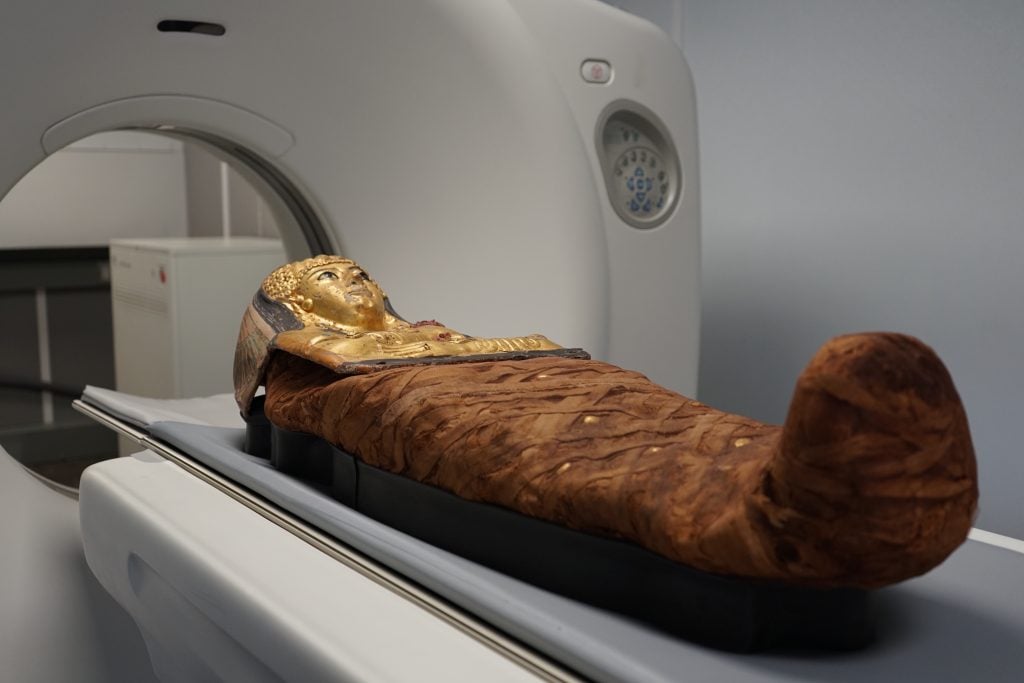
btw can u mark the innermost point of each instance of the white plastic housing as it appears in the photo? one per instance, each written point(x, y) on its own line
point(447, 145)
point(222, 594)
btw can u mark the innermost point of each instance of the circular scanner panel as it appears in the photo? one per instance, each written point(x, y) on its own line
point(641, 168)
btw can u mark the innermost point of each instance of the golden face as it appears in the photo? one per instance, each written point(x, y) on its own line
point(343, 293)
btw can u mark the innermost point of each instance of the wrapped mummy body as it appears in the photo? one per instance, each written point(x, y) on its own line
point(871, 480)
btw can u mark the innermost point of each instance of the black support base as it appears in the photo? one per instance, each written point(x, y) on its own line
point(721, 612)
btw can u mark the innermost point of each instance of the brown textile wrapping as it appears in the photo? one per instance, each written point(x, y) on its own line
point(872, 479)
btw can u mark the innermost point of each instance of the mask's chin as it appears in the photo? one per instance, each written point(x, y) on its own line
point(369, 316)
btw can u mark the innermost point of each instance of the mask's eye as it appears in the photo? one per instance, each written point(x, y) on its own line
point(327, 275)
point(361, 275)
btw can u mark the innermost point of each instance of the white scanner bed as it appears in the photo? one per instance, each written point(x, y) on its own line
point(956, 623)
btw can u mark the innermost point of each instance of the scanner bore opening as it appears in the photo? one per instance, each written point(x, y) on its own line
point(53, 446)
point(298, 216)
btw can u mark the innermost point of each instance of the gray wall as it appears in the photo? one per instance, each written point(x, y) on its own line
point(207, 180)
point(863, 169)
point(129, 184)
point(117, 184)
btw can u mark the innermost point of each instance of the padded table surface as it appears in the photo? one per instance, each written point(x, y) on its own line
point(962, 621)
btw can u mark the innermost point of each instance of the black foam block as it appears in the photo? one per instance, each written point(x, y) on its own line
point(723, 612)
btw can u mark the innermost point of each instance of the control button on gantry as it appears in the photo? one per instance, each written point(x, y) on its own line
point(596, 71)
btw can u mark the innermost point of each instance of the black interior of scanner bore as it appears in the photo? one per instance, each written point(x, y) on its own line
point(721, 612)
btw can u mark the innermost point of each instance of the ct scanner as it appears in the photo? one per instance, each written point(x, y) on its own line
point(455, 144)
point(465, 151)
point(481, 158)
